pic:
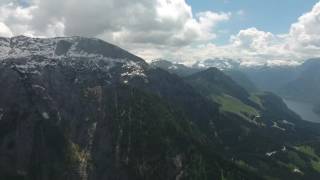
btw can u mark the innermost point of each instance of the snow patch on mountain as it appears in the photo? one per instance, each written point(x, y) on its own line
point(32, 55)
point(269, 63)
point(133, 69)
point(225, 63)
point(220, 63)
point(21, 46)
point(173, 67)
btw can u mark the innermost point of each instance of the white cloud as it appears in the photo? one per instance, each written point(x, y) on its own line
point(4, 30)
point(207, 22)
point(301, 42)
point(260, 45)
point(304, 35)
point(149, 28)
point(256, 46)
point(160, 28)
point(126, 23)
point(253, 39)
point(16, 18)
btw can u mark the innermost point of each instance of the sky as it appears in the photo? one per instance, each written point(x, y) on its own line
point(184, 31)
point(274, 16)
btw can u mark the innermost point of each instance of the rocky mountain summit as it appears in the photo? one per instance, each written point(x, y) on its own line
point(79, 108)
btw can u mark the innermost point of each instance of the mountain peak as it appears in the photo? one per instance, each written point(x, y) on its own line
point(61, 47)
point(220, 63)
point(34, 55)
point(211, 72)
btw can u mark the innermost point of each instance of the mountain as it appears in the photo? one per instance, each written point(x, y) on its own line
point(220, 63)
point(242, 79)
point(267, 76)
point(174, 68)
point(251, 121)
point(295, 81)
point(81, 108)
point(271, 78)
point(220, 88)
point(183, 71)
point(215, 81)
point(257, 118)
point(306, 85)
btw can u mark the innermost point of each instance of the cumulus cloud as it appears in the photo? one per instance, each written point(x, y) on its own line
point(304, 35)
point(134, 23)
point(207, 21)
point(306, 32)
point(250, 45)
point(157, 22)
point(160, 28)
point(256, 46)
point(261, 45)
point(171, 23)
point(301, 42)
point(17, 18)
point(252, 39)
point(4, 30)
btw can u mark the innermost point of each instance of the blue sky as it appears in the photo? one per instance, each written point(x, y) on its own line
point(275, 16)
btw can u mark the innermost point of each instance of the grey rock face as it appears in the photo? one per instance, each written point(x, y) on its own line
point(70, 109)
point(52, 98)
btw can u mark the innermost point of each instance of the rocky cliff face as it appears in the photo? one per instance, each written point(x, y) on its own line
point(77, 108)
point(61, 109)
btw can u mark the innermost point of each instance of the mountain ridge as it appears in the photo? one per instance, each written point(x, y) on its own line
point(107, 116)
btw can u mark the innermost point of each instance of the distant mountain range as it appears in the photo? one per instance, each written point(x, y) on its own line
point(79, 108)
point(174, 68)
point(299, 82)
point(251, 106)
point(220, 63)
point(306, 85)
point(226, 63)
point(229, 67)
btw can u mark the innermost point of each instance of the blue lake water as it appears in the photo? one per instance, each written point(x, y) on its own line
point(304, 109)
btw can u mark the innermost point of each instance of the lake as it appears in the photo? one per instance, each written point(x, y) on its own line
point(304, 109)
